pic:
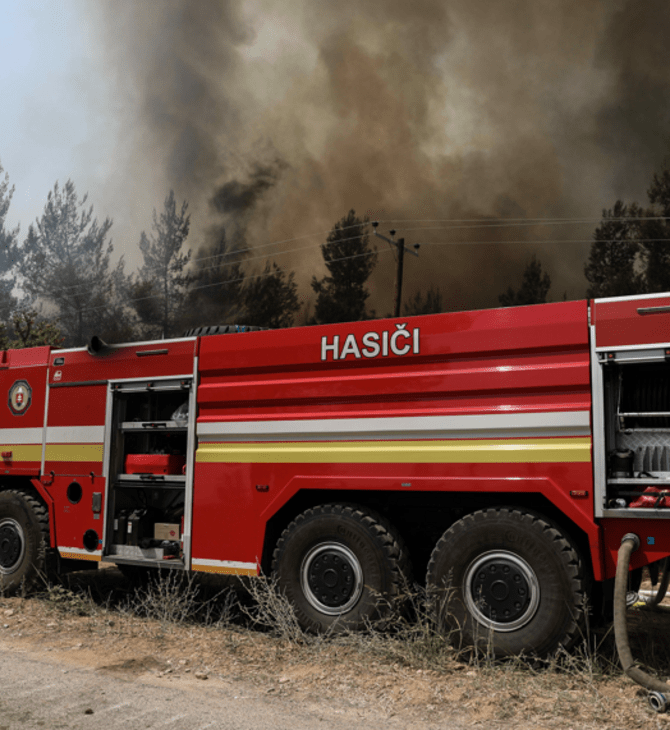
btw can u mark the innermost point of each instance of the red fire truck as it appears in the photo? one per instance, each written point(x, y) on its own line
point(503, 453)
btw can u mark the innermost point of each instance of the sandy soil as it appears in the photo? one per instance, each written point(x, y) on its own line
point(372, 679)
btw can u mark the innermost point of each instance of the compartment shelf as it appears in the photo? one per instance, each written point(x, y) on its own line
point(139, 558)
point(147, 426)
point(174, 481)
point(640, 481)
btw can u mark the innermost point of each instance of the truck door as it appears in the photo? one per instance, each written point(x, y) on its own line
point(73, 458)
point(23, 385)
point(630, 343)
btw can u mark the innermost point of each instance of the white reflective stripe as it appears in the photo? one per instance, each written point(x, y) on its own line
point(79, 551)
point(497, 425)
point(55, 435)
point(21, 436)
point(235, 564)
point(75, 434)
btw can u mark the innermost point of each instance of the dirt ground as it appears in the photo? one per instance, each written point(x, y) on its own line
point(585, 690)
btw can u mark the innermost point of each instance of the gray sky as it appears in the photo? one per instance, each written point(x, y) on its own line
point(273, 119)
point(55, 119)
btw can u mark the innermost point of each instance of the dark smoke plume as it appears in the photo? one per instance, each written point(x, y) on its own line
point(634, 124)
point(407, 111)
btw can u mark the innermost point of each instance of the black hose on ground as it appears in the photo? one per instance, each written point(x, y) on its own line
point(663, 581)
point(660, 691)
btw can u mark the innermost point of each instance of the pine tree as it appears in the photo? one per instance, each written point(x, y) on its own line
point(162, 282)
point(430, 304)
point(534, 288)
point(615, 258)
point(30, 330)
point(216, 294)
point(8, 250)
point(66, 264)
point(271, 298)
point(349, 258)
point(656, 235)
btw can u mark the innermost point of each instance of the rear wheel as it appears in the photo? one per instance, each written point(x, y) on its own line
point(339, 564)
point(24, 532)
point(507, 581)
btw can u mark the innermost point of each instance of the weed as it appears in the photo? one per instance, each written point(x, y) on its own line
point(273, 612)
point(172, 598)
point(410, 632)
point(68, 601)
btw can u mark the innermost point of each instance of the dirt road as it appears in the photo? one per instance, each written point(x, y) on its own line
point(70, 663)
point(67, 690)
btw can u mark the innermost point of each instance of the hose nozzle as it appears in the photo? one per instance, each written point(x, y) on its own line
point(635, 539)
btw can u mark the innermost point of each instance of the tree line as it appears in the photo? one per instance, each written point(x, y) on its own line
point(630, 253)
point(61, 284)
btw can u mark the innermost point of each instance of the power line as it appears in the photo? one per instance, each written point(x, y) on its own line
point(285, 240)
point(529, 221)
point(229, 281)
point(368, 253)
point(485, 223)
point(478, 224)
point(544, 240)
point(230, 253)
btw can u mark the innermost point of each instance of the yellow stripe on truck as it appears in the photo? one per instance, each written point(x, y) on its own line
point(54, 452)
point(23, 452)
point(479, 451)
point(73, 452)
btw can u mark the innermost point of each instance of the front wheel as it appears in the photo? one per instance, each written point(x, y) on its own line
point(339, 565)
point(508, 581)
point(24, 531)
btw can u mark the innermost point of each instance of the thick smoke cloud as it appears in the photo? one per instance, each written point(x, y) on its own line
point(634, 123)
point(277, 121)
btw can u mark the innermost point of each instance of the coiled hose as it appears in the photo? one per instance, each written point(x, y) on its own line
point(664, 579)
point(659, 697)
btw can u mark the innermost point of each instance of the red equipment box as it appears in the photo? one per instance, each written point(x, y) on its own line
point(154, 464)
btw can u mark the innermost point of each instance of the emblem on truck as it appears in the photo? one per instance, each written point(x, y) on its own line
point(373, 344)
point(20, 396)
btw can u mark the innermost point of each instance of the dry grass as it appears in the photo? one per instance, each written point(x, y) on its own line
point(403, 663)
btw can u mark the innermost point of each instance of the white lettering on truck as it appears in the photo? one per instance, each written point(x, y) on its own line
point(400, 341)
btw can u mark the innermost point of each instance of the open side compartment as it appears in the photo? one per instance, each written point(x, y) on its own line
point(636, 386)
point(150, 442)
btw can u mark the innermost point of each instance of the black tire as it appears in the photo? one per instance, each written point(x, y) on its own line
point(24, 536)
point(221, 329)
point(340, 566)
point(509, 582)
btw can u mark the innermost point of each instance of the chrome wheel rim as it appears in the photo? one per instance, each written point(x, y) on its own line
point(331, 578)
point(12, 545)
point(501, 591)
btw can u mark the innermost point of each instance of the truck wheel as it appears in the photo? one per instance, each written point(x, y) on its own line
point(24, 533)
point(340, 566)
point(508, 582)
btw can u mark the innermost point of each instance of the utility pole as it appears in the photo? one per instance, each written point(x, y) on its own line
point(400, 245)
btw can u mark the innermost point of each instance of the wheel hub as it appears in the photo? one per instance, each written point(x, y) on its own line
point(11, 545)
point(332, 578)
point(501, 591)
